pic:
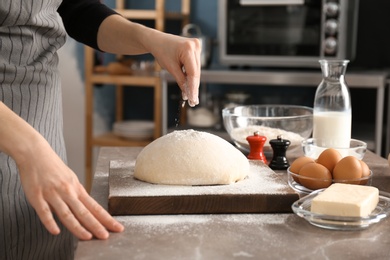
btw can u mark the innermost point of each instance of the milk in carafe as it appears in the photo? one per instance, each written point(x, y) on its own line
point(332, 113)
point(334, 128)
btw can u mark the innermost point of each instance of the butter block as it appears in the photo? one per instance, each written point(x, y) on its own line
point(346, 200)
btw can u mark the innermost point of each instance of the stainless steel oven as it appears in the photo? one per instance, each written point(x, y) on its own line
point(286, 33)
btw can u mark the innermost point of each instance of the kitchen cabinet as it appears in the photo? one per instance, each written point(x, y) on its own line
point(97, 75)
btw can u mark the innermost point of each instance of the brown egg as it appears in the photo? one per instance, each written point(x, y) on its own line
point(329, 158)
point(299, 162)
point(297, 165)
point(322, 176)
point(346, 169)
point(365, 172)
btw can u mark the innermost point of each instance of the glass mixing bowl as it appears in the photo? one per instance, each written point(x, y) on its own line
point(294, 123)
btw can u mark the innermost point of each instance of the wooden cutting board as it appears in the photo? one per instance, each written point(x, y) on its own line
point(263, 191)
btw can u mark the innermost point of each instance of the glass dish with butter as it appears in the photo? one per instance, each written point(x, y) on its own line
point(344, 221)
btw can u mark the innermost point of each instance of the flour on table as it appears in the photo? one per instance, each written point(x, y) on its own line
point(201, 219)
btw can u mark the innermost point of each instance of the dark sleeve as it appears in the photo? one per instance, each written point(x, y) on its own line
point(82, 19)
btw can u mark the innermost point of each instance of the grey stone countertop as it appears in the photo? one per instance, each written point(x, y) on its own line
point(233, 236)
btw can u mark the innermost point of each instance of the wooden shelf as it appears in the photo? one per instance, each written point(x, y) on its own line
point(94, 76)
point(130, 80)
point(110, 139)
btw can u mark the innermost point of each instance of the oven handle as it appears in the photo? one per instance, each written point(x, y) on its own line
point(272, 2)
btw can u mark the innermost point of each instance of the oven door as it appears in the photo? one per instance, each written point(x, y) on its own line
point(272, 32)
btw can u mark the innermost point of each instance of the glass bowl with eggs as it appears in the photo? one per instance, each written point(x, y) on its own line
point(294, 123)
point(307, 174)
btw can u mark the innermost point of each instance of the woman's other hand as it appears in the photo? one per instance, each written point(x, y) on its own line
point(51, 187)
point(49, 184)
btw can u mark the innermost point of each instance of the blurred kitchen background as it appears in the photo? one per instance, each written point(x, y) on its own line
point(373, 53)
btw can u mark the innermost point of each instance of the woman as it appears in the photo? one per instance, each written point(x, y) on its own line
point(43, 207)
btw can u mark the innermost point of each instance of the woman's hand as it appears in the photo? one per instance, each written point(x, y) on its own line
point(50, 186)
point(180, 56)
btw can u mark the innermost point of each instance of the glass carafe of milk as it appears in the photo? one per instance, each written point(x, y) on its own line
point(332, 115)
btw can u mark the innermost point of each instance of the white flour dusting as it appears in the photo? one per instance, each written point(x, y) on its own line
point(261, 180)
point(203, 219)
point(193, 234)
point(263, 219)
point(242, 254)
point(165, 220)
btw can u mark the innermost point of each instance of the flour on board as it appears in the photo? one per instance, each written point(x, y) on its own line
point(261, 179)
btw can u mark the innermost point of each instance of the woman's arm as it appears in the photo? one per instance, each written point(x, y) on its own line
point(118, 35)
point(96, 25)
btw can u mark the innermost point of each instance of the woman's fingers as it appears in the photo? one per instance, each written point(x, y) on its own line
point(79, 213)
point(190, 58)
point(101, 214)
point(84, 217)
point(66, 213)
point(45, 214)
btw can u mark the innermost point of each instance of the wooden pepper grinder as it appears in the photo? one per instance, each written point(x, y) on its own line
point(279, 147)
point(256, 144)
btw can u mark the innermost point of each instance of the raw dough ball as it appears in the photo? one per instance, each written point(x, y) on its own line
point(190, 157)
